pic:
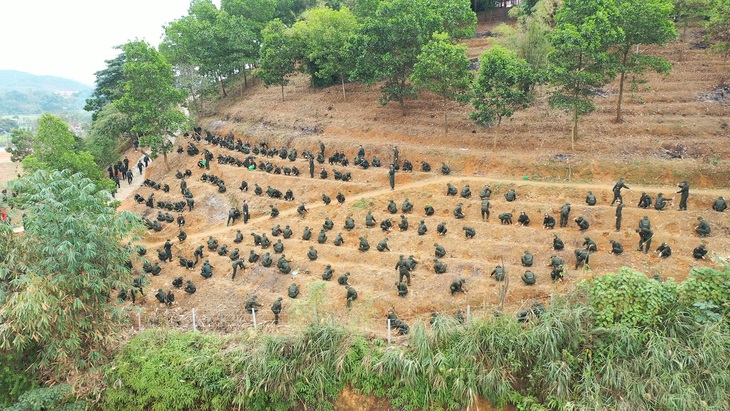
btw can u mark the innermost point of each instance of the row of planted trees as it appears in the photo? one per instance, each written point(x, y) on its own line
point(570, 48)
point(575, 47)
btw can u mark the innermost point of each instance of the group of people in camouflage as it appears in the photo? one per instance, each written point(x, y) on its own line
point(405, 267)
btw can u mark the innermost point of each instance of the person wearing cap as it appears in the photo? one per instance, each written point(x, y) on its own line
point(527, 259)
point(252, 305)
point(402, 289)
point(581, 257)
point(523, 219)
point(548, 222)
point(510, 195)
point(617, 190)
point(168, 249)
point(564, 213)
point(485, 193)
point(440, 250)
point(458, 286)
point(719, 204)
point(206, 270)
point(529, 278)
point(438, 266)
point(276, 309)
point(644, 201)
point(683, 195)
point(485, 209)
point(458, 212)
point(703, 229)
point(591, 199)
point(293, 290)
point(589, 244)
point(700, 252)
point(664, 250)
point(616, 247)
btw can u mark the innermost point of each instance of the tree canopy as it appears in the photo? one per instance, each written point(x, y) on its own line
point(501, 87)
point(108, 86)
point(323, 41)
point(277, 56)
point(150, 99)
point(55, 148)
point(443, 68)
point(641, 22)
point(580, 61)
point(59, 275)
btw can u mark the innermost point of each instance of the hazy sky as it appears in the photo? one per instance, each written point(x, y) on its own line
point(72, 38)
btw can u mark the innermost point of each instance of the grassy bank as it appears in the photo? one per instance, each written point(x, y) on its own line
point(622, 341)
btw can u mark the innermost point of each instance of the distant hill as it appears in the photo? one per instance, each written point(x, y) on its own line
point(13, 80)
point(26, 94)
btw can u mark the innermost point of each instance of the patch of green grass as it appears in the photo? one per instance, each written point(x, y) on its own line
point(362, 204)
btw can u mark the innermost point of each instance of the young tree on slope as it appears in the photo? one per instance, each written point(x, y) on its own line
point(580, 61)
point(443, 68)
point(150, 98)
point(642, 22)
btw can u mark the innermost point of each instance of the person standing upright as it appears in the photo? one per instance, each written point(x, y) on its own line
point(619, 214)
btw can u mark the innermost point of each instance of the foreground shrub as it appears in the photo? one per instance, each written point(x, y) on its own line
point(563, 360)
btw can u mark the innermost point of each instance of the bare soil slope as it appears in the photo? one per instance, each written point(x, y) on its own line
point(530, 153)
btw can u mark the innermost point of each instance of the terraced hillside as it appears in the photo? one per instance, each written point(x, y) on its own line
point(671, 132)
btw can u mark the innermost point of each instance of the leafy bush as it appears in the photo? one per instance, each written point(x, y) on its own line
point(164, 370)
point(707, 285)
point(13, 379)
point(631, 298)
point(54, 398)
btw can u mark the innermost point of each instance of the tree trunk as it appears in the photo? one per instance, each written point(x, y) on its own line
point(223, 89)
point(282, 92)
point(622, 77)
point(446, 121)
point(574, 132)
point(195, 103)
point(342, 80)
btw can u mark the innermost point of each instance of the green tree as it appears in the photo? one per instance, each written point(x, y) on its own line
point(643, 22)
point(289, 10)
point(388, 48)
point(108, 87)
point(59, 275)
point(323, 39)
point(718, 30)
point(277, 56)
point(109, 133)
point(390, 41)
point(55, 147)
point(443, 69)
point(150, 99)
point(257, 12)
point(580, 61)
point(21, 144)
point(214, 41)
point(7, 125)
point(501, 87)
